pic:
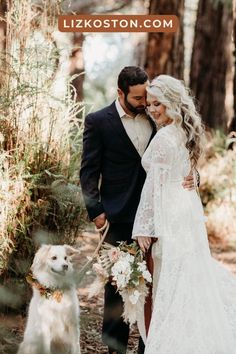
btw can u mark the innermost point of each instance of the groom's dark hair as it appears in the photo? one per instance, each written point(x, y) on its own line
point(131, 76)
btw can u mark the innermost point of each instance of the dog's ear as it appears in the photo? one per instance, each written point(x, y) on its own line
point(40, 257)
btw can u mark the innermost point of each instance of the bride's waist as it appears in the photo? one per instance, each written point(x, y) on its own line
point(175, 180)
point(177, 186)
point(176, 190)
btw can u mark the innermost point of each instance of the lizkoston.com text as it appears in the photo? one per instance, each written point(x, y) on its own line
point(118, 23)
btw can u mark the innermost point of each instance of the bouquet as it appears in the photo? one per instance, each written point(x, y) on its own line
point(126, 268)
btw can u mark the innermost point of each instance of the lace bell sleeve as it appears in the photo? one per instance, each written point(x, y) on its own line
point(148, 217)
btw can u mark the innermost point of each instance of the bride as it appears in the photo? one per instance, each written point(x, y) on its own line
point(194, 297)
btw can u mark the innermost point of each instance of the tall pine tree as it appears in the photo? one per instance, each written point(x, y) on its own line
point(165, 51)
point(211, 60)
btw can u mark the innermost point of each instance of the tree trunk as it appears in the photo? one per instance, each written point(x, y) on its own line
point(211, 58)
point(232, 126)
point(3, 9)
point(165, 51)
point(3, 27)
point(76, 67)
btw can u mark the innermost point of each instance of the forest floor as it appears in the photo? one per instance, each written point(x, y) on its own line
point(12, 326)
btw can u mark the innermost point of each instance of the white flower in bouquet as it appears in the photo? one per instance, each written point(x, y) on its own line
point(141, 266)
point(128, 257)
point(147, 276)
point(121, 281)
point(121, 271)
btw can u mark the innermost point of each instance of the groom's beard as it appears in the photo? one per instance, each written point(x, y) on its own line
point(131, 108)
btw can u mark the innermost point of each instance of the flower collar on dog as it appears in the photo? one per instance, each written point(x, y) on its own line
point(48, 293)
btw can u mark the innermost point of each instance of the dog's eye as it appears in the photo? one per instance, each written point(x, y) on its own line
point(54, 258)
point(65, 258)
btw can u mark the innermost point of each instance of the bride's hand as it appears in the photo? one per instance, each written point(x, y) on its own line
point(144, 242)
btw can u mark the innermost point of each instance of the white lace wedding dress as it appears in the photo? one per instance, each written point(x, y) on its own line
point(194, 297)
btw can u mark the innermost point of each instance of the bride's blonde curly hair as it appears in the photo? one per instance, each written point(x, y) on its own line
point(180, 107)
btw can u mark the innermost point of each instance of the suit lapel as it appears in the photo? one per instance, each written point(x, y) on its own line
point(118, 127)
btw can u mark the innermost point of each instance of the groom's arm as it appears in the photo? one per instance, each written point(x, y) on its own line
point(91, 166)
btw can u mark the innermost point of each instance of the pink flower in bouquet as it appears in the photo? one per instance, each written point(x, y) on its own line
point(114, 254)
point(97, 267)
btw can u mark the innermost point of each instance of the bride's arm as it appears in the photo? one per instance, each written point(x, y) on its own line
point(146, 224)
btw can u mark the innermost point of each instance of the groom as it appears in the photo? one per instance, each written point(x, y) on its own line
point(112, 178)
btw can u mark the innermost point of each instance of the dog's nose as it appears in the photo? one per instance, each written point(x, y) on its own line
point(65, 266)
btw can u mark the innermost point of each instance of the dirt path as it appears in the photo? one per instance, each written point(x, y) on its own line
point(12, 326)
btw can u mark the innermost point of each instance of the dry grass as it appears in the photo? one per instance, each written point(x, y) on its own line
point(40, 135)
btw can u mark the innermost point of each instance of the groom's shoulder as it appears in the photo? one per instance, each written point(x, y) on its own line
point(102, 113)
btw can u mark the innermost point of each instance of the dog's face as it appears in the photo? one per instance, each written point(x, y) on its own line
point(54, 259)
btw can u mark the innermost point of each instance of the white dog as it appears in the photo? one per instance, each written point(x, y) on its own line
point(53, 320)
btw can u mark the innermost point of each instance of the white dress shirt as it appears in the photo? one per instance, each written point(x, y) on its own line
point(138, 128)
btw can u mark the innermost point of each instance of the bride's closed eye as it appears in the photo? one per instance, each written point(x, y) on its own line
point(156, 104)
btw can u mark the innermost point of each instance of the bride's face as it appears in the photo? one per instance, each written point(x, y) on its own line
point(157, 110)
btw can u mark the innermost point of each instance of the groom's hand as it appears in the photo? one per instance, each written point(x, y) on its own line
point(189, 182)
point(144, 243)
point(100, 220)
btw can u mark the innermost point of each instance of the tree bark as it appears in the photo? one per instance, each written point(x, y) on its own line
point(76, 67)
point(3, 9)
point(211, 58)
point(232, 126)
point(3, 28)
point(165, 51)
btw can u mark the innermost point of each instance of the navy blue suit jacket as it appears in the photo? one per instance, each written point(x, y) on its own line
point(111, 173)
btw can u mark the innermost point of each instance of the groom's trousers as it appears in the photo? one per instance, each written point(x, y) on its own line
point(115, 332)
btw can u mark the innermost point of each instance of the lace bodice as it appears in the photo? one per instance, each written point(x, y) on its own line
point(165, 161)
point(168, 151)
